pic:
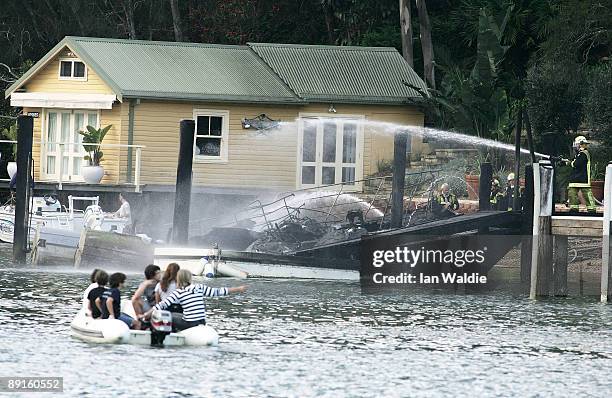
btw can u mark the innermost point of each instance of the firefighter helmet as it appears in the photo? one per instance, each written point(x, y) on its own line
point(581, 139)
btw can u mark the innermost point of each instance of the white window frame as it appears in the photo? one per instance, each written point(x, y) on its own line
point(360, 144)
point(43, 141)
point(225, 115)
point(71, 77)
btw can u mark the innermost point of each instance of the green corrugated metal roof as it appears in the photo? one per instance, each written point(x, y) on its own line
point(353, 74)
point(275, 73)
point(185, 70)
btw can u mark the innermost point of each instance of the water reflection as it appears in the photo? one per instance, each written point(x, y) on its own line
point(297, 338)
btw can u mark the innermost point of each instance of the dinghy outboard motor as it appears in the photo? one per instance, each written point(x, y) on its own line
point(161, 326)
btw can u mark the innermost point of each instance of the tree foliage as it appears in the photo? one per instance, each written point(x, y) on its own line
point(483, 49)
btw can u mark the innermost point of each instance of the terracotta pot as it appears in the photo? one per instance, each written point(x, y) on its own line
point(11, 169)
point(597, 186)
point(92, 174)
point(473, 186)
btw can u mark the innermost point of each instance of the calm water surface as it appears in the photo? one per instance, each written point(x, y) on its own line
point(307, 338)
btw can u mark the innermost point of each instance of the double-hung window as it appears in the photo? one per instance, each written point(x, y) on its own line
point(72, 69)
point(211, 135)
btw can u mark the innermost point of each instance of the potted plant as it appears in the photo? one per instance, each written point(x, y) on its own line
point(93, 172)
point(11, 134)
point(472, 176)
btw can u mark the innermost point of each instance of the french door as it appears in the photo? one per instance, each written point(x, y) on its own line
point(330, 152)
point(63, 142)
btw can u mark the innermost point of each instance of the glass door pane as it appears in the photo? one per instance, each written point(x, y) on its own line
point(76, 150)
point(51, 150)
point(328, 155)
point(65, 137)
point(309, 153)
point(349, 152)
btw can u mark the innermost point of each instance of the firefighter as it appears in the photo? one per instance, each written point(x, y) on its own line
point(509, 193)
point(580, 179)
point(446, 202)
point(497, 195)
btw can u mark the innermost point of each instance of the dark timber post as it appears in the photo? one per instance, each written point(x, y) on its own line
point(541, 259)
point(606, 253)
point(400, 143)
point(527, 225)
point(517, 161)
point(182, 196)
point(25, 126)
point(560, 265)
point(484, 191)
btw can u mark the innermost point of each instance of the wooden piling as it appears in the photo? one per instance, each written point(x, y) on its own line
point(527, 226)
point(541, 255)
point(400, 143)
point(25, 127)
point(606, 275)
point(560, 265)
point(182, 196)
point(484, 190)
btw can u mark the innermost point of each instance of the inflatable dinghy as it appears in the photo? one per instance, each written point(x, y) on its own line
point(114, 331)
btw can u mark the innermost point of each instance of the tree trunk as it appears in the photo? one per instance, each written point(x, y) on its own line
point(426, 44)
point(329, 23)
point(128, 9)
point(406, 29)
point(176, 20)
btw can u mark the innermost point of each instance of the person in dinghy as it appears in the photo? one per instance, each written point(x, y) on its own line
point(144, 297)
point(110, 301)
point(191, 298)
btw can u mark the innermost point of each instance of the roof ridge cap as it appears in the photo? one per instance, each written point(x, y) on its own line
point(322, 47)
point(155, 42)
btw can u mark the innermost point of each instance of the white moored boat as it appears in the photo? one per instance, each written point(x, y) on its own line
point(48, 213)
point(211, 263)
point(114, 331)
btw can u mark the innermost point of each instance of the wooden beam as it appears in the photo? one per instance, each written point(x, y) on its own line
point(560, 265)
point(25, 128)
point(541, 255)
point(527, 225)
point(184, 173)
point(400, 144)
point(606, 274)
point(484, 190)
point(545, 258)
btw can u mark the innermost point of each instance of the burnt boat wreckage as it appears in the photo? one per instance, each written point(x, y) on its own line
point(311, 218)
point(281, 232)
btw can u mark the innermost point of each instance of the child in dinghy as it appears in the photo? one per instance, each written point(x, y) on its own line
point(111, 301)
point(191, 298)
point(92, 285)
point(95, 295)
point(144, 297)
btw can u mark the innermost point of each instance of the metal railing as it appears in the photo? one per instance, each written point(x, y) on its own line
point(62, 152)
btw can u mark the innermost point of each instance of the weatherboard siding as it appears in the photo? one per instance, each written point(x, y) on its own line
point(254, 161)
point(266, 161)
point(47, 80)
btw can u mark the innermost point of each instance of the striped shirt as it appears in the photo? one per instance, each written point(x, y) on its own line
point(191, 298)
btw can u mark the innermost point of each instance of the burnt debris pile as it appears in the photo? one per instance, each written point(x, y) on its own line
point(309, 218)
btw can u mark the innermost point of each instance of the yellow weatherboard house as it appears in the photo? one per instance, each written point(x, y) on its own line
point(144, 88)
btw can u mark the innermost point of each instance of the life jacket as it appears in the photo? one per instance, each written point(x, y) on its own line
point(450, 199)
point(581, 173)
